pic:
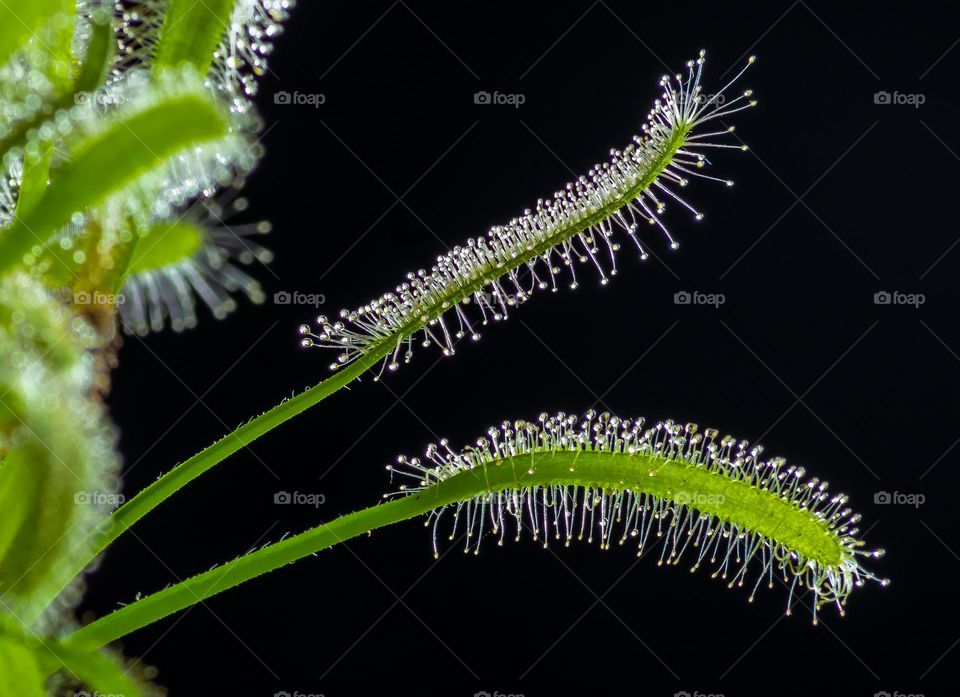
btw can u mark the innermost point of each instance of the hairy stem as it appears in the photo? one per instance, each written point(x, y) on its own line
point(429, 312)
point(730, 500)
point(184, 473)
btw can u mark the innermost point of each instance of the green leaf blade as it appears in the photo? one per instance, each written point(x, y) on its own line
point(20, 673)
point(20, 21)
point(169, 244)
point(191, 32)
point(100, 673)
point(58, 471)
point(127, 149)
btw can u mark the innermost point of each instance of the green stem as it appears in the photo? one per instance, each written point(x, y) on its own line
point(198, 588)
point(194, 590)
point(184, 473)
point(732, 501)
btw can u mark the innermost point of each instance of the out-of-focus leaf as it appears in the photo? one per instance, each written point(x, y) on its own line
point(98, 672)
point(20, 675)
point(191, 32)
point(27, 658)
point(124, 150)
point(19, 21)
point(33, 183)
point(97, 61)
point(165, 245)
point(57, 478)
point(100, 52)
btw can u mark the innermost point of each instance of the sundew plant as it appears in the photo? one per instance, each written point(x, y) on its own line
point(126, 131)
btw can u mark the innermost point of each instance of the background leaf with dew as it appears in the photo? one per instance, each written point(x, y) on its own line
point(58, 474)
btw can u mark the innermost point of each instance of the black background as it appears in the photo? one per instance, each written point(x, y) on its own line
point(839, 198)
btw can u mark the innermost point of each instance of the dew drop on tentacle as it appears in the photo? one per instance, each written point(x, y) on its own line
point(686, 524)
point(580, 224)
point(213, 272)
